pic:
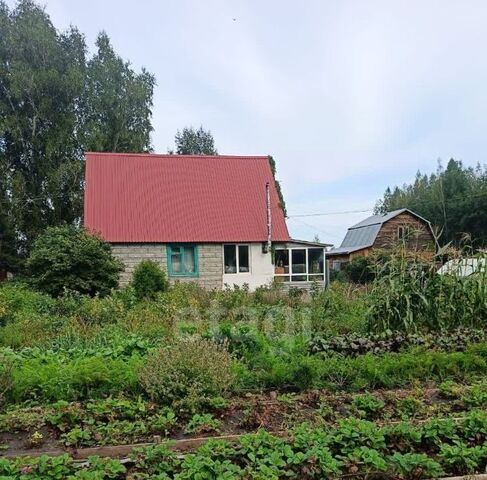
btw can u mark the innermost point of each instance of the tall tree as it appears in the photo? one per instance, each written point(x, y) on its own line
point(54, 104)
point(452, 199)
point(41, 83)
point(117, 103)
point(195, 142)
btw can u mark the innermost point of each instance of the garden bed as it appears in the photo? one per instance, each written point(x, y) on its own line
point(351, 447)
point(67, 426)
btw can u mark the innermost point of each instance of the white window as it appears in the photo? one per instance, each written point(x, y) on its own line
point(236, 259)
point(299, 264)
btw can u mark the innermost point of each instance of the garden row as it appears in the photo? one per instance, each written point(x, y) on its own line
point(115, 421)
point(354, 344)
point(187, 373)
point(354, 447)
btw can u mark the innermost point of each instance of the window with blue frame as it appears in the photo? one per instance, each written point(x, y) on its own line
point(182, 260)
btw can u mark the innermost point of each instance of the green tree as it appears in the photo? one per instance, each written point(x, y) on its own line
point(54, 105)
point(454, 200)
point(117, 103)
point(149, 280)
point(195, 142)
point(70, 258)
point(41, 82)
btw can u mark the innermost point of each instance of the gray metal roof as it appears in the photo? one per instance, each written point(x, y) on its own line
point(344, 250)
point(363, 234)
point(380, 219)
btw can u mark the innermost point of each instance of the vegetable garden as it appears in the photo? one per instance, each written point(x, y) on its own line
point(383, 381)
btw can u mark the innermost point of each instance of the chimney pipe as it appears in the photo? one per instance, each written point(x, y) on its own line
point(269, 216)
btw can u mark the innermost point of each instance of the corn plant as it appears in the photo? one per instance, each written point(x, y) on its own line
point(408, 294)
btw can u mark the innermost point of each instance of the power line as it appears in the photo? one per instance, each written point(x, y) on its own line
point(345, 212)
point(316, 229)
point(330, 213)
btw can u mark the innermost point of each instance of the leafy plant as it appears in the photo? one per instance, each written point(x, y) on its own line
point(437, 431)
point(69, 258)
point(76, 436)
point(354, 344)
point(367, 460)
point(367, 405)
point(450, 389)
point(460, 458)
point(148, 280)
point(353, 433)
point(164, 421)
point(187, 373)
point(476, 395)
point(202, 423)
point(6, 376)
point(415, 466)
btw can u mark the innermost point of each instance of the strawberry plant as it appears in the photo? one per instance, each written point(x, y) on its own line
point(415, 466)
point(365, 460)
point(460, 458)
point(437, 431)
point(77, 437)
point(475, 427)
point(367, 405)
point(403, 436)
point(163, 422)
point(353, 433)
point(204, 423)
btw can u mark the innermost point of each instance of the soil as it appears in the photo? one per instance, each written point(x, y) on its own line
point(243, 415)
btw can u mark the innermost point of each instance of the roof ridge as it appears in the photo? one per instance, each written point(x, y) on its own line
point(172, 155)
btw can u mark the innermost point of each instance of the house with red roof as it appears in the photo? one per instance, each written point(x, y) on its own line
point(213, 220)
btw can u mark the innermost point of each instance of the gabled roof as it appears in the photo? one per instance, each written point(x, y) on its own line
point(180, 198)
point(383, 218)
point(363, 234)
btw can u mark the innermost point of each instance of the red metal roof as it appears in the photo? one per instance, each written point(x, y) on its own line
point(180, 198)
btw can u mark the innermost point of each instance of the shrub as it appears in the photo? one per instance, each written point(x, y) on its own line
point(70, 258)
point(360, 270)
point(6, 376)
point(16, 299)
point(149, 280)
point(188, 373)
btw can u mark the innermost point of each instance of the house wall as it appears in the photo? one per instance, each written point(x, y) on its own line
point(261, 270)
point(420, 238)
point(345, 258)
point(209, 259)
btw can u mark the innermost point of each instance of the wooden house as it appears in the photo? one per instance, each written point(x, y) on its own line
point(387, 231)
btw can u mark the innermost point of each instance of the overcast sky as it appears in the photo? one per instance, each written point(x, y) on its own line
point(348, 96)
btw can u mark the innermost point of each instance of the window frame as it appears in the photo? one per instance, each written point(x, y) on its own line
point(237, 258)
point(403, 232)
point(181, 246)
point(309, 276)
